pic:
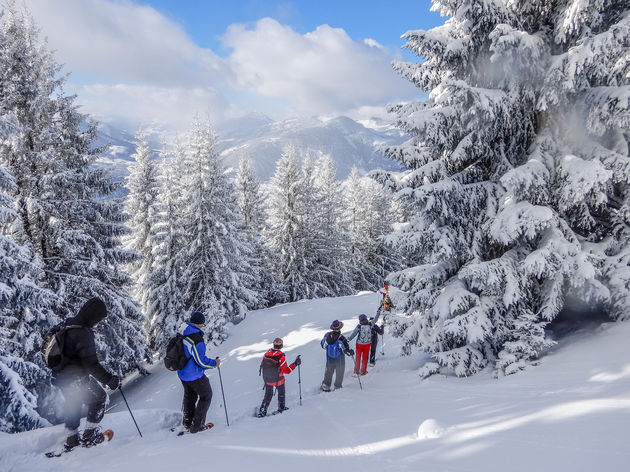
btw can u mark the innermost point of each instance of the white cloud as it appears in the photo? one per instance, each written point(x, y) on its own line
point(323, 71)
point(130, 63)
point(133, 105)
point(124, 42)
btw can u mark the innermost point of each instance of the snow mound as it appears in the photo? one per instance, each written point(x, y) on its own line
point(430, 429)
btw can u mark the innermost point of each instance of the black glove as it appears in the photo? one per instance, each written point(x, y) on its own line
point(349, 352)
point(114, 382)
point(297, 361)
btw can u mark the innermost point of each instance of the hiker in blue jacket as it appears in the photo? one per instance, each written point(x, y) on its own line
point(197, 391)
point(336, 346)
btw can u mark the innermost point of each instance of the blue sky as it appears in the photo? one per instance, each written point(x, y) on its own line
point(159, 62)
point(382, 20)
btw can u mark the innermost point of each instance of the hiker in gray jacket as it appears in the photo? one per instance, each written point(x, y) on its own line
point(364, 341)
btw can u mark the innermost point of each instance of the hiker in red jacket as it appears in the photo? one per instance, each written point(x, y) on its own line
point(273, 368)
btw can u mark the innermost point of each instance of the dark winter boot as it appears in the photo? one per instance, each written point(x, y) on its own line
point(72, 441)
point(262, 411)
point(92, 437)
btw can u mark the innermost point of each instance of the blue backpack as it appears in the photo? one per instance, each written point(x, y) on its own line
point(334, 350)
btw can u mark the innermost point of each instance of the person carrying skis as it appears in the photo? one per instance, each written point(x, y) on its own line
point(376, 330)
point(77, 377)
point(364, 340)
point(273, 368)
point(336, 346)
point(197, 391)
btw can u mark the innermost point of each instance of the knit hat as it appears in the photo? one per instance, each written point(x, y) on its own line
point(363, 318)
point(197, 318)
point(336, 325)
point(277, 343)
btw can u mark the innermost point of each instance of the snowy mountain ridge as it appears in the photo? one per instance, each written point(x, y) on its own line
point(261, 139)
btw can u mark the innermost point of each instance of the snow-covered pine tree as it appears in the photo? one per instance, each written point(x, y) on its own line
point(23, 303)
point(140, 205)
point(368, 218)
point(284, 232)
point(331, 244)
point(518, 176)
point(216, 273)
point(65, 213)
point(314, 245)
point(249, 198)
point(250, 205)
point(166, 302)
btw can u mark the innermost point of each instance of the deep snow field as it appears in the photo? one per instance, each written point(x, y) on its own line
point(569, 413)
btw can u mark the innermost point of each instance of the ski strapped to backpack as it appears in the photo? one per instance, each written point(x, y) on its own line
point(53, 348)
point(176, 358)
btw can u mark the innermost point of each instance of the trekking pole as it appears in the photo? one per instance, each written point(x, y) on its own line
point(359, 374)
point(383, 338)
point(223, 394)
point(134, 420)
point(300, 384)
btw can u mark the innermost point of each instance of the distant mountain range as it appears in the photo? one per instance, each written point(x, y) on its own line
point(259, 138)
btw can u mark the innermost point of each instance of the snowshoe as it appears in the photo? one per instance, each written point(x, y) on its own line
point(94, 436)
point(263, 413)
point(58, 453)
point(71, 442)
point(205, 427)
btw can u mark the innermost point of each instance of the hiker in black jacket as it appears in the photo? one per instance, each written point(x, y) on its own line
point(78, 378)
point(336, 346)
point(376, 330)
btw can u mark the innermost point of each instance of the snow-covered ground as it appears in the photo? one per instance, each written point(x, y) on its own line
point(570, 413)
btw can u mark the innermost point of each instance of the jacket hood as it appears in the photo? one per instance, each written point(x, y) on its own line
point(191, 328)
point(93, 311)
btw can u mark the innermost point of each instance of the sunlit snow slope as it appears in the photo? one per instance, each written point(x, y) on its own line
point(570, 413)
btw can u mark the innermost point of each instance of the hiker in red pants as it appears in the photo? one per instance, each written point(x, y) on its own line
point(364, 341)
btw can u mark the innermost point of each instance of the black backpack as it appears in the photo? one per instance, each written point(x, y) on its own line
point(53, 346)
point(176, 358)
point(270, 368)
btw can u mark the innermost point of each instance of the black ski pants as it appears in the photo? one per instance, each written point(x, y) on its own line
point(83, 391)
point(269, 395)
point(197, 398)
point(334, 366)
point(373, 349)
